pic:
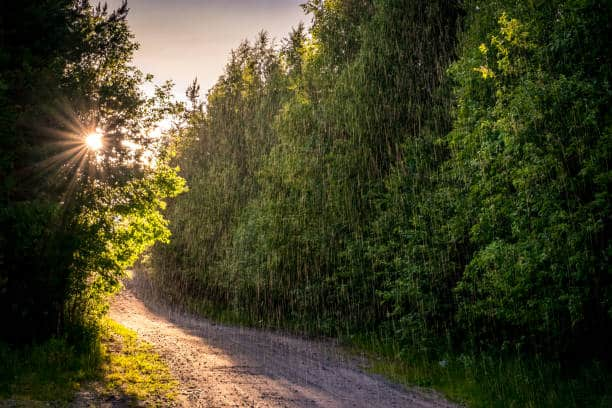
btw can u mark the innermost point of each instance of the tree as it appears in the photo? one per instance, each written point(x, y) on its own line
point(72, 218)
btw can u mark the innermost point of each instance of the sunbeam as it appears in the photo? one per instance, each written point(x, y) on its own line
point(94, 141)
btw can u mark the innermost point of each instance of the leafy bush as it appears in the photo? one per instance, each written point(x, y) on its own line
point(73, 219)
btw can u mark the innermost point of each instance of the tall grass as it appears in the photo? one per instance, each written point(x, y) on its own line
point(484, 380)
point(50, 371)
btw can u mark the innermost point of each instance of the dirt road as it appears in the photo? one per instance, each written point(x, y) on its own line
point(222, 366)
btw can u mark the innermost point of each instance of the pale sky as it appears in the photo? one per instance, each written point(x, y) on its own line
point(184, 39)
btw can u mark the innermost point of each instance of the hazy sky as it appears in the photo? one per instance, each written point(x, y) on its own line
point(182, 39)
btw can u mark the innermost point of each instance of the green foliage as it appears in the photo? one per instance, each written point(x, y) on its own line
point(484, 380)
point(132, 368)
point(222, 154)
point(531, 157)
point(72, 220)
point(108, 360)
point(287, 211)
point(435, 172)
point(51, 371)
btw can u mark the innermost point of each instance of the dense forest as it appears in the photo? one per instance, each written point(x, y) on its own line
point(433, 173)
point(434, 170)
point(431, 177)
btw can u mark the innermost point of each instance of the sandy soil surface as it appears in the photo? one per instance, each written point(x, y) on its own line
point(222, 366)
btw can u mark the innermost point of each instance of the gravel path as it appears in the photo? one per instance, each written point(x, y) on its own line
point(223, 366)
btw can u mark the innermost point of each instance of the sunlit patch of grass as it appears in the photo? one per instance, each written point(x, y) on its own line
point(132, 368)
point(486, 381)
point(113, 362)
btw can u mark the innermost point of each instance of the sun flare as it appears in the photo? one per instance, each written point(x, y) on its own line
point(94, 141)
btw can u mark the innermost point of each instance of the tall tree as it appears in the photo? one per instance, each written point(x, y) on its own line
point(72, 216)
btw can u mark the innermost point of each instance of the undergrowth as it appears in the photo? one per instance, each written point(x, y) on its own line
point(110, 361)
point(488, 381)
point(477, 381)
point(53, 370)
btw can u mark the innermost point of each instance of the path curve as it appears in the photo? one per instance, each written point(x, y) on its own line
point(223, 366)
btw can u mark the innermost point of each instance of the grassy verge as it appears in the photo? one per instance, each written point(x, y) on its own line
point(114, 364)
point(477, 381)
point(132, 368)
point(485, 381)
point(474, 380)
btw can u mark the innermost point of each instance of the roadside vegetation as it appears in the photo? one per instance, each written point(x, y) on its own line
point(486, 380)
point(112, 366)
point(83, 179)
point(430, 176)
point(132, 368)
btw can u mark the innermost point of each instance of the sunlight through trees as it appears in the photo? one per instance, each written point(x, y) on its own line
point(428, 178)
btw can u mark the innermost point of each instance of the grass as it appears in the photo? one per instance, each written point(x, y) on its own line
point(133, 368)
point(112, 363)
point(485, 381)
point(52, 371)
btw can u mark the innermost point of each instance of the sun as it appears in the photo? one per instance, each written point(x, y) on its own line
point(94, 141)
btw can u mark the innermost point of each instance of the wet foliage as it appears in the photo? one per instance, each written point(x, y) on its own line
point(435, 172)
point(431, 175)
